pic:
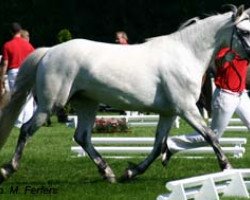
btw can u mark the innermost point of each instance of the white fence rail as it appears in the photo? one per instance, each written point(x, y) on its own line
point(132, 120)
point(126, 146)
point(235, 124)
point(230, 183)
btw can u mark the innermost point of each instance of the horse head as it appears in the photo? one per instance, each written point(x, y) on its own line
point(240, 39)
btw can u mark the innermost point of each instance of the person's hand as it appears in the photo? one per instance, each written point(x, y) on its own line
point(2, 86)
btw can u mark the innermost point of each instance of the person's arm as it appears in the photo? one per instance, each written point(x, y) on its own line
point(3, 68)
point(4, 62)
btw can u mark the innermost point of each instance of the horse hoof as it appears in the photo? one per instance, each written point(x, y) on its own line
point(164, 160)
point(107, 174)
point(225, 166)
point(228, 166)
point(166, 154)
point(111, 179)
point(127, 176)
point(3, 175)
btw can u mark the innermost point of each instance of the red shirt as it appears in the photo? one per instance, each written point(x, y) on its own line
point(231, 75)
point(15, 51)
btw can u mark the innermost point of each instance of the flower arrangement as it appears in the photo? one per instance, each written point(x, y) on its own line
point(110, 125)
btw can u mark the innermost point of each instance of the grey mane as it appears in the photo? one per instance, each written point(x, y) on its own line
point(194, 25)
point(188, 23)
point(182, 26)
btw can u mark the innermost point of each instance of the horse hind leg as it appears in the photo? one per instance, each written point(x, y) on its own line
point(45, 104)
point(27, 130)
point(86, 112)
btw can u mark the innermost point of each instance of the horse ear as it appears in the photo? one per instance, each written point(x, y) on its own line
point(232, 8)
point(240, 11)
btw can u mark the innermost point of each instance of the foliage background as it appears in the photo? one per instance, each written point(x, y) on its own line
point(98, 20)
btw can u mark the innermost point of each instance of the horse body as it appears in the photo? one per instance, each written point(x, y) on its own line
point(163, 75)
point(116, 83)
point(92, 75)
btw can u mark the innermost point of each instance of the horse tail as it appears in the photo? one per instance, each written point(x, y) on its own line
point(25, 81)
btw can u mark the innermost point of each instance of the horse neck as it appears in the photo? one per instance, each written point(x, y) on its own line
point(202, 38)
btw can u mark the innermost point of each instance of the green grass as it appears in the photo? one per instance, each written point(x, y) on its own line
point(49, 163)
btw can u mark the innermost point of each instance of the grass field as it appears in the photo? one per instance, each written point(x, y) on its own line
point(48, 166)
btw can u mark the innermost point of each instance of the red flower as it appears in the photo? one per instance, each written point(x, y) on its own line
point(110, 125)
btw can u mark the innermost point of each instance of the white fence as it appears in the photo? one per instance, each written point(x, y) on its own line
point(235, 124)
point(131, 120)
point(143, 145)
point(230, 183)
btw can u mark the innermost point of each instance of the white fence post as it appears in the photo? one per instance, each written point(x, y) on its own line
point(229, 183)
point(236, 182)
point(178, 193)
point(208, 191)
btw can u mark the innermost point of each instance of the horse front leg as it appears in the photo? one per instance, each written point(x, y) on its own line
point(86, 112)
point(163, 128)
point(193, 117)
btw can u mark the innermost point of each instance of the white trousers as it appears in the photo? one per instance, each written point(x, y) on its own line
point(224, 104)
point(28, 108)
point(12, 78)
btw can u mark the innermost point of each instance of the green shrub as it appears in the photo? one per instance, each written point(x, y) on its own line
point(64, 35)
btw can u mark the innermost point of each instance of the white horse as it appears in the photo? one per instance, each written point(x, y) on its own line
point(162, 75)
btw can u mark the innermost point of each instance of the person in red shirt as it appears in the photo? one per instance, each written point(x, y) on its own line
point(229, 96)
point(13, 54)
point(121, 37)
